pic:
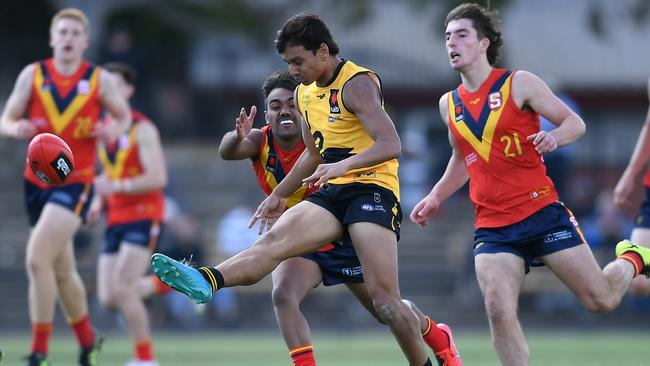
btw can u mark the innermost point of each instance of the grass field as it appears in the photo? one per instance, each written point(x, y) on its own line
point(358, 349)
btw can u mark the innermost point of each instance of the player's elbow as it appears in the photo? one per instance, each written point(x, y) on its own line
point(394, 150)
point(581, 127)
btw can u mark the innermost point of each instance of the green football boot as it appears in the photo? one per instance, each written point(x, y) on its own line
point(182, 278)
point(89, 356)
point(625, 246)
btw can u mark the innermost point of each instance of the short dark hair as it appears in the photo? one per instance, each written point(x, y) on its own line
point(127, 72)
point(307, 30)
point(279, 79)
point(487, 24)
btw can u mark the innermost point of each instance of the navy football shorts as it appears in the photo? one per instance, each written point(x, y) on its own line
point(549, 230)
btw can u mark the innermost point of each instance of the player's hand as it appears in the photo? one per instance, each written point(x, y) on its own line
point(106, 132)
point(103, 185)
point(325, 172)
point(244, 123)
point(623, 191)
point(25, 130)
point(95, 210)
point(544, 142)
point(424, 210)
point(268, 212)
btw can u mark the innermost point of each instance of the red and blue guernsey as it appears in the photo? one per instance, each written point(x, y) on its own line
point(508, 180)
point(69, 107)
point(121, 160)
point(273, 164)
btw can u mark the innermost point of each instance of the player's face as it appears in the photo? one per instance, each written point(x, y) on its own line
point(68, 39)
point(463, 45)
point(303, 64)
point(282, 114)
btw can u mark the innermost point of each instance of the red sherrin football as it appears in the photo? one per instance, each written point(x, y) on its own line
point(50, 158)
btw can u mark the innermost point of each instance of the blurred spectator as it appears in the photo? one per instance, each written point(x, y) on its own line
point(606, 226)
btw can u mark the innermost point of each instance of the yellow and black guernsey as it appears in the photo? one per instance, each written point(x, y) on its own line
point(338, 133)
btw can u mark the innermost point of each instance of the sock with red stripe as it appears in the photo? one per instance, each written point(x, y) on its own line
point(144, 350)
point(83, 330)
point(213, 276)
point(303, 356)
point(160, 287)
point(40, 337)
point(434, 337)
point(635, 259)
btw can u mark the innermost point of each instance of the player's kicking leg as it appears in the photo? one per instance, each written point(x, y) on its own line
point(291, 236)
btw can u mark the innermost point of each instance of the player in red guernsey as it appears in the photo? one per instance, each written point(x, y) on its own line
point(493, 122)
point(274, 149)
point(62, 95)
point(131, 189)
point(623, 197)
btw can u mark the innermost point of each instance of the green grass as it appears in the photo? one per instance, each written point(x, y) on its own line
point(359, 349)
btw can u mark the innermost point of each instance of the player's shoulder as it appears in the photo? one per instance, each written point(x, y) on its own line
point(523, 78)
point(442, 102)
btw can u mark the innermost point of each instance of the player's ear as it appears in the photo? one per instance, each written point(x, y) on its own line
point(485, 44)
point(323, 50)
point(266, 118)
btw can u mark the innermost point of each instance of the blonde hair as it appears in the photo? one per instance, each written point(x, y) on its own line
point(71, 13)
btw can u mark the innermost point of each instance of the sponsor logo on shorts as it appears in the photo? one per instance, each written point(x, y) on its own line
point(377, 197)
point(352, 271)
point(558, 236)
point(367, 207)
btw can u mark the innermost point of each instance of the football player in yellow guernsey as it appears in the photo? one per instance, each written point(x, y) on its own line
point(351, 148)
point(273, 150)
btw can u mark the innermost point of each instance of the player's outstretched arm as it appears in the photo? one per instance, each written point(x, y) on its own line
point(529, 91)
point(452, 180)
point(273, 206)
point(116, 105)
point(244, 141)
point(12, 122)
point(637, 163)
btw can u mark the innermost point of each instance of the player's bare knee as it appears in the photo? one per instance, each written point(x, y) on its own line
point(108, 301)
point(600, 303)
point(497, 311)
point(282, 297)
point(388, 308)
point(37, 265)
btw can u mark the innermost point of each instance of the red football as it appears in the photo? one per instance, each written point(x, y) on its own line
point(50, 158)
